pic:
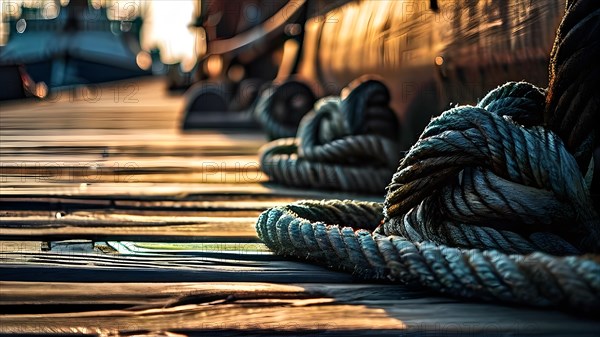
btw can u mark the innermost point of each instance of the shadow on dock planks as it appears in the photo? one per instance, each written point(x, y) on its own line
point(115, 223)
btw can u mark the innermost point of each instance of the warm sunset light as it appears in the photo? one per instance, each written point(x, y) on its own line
point(166, 27)
point(181, 168)
point(165, 23)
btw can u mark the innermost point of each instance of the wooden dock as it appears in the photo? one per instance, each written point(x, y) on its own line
point(113, 222)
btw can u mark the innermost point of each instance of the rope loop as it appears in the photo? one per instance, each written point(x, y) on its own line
point(490, 203)
point(340, 144)
point(479, 172)
point(280, 108)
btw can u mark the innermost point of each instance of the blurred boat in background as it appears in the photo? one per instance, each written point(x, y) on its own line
point(79, 45)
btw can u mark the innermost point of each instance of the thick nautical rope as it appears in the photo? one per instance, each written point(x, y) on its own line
point(487, 204)
point(572, 102)
point(345, 144)
point(279, 108)
point(475, 192)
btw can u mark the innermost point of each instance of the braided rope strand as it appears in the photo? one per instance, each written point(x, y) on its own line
point(475, 209)
point(539, 279)
point(488, 204)
point(279, 109)
point(337, 145)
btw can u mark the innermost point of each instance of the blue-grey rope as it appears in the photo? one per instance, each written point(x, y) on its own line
point(279, 108)
point(479, 208)
point(302, 230)
point(339, 145)
point(487, 204)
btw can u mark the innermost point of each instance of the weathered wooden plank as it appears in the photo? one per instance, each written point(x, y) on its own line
point(162, 251)
point(245, 306)
point(173, 192)
point(222, 250)
point(123, 220)
point(217, 307)
point(163, 233)
point(20, 246)
point(241, 259)
point(130, 148)
point(135, 138)
point(438, 315)
point(54, 273)
point(24, 153)
point(47, 266)
point(170, 191)
point(63, 219)
point(133, 294)
point(60, 224)
point(258, 317)
point(123, 216)
point(95, 167)
point(123, 105)
point(227, 203)
point(106, 218)
point(50, 166)
point(44, 179)
point(183, 248)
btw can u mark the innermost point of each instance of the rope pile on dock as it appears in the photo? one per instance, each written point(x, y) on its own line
point(492, 202)
point(280, 108)
point(348, 143)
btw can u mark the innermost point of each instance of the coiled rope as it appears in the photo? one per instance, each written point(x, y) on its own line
point(573, 100)
point(280, 108)
point(346, 144)
point(486, 205)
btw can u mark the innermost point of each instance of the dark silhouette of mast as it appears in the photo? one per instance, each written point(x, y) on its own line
point(76, 10)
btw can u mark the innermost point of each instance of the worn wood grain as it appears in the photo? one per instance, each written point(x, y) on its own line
point(308, 316)
point(137, 294)
point(141, 190)
point(226, 307)
point(71, 267)
point(100, 175)
point(232, 232)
